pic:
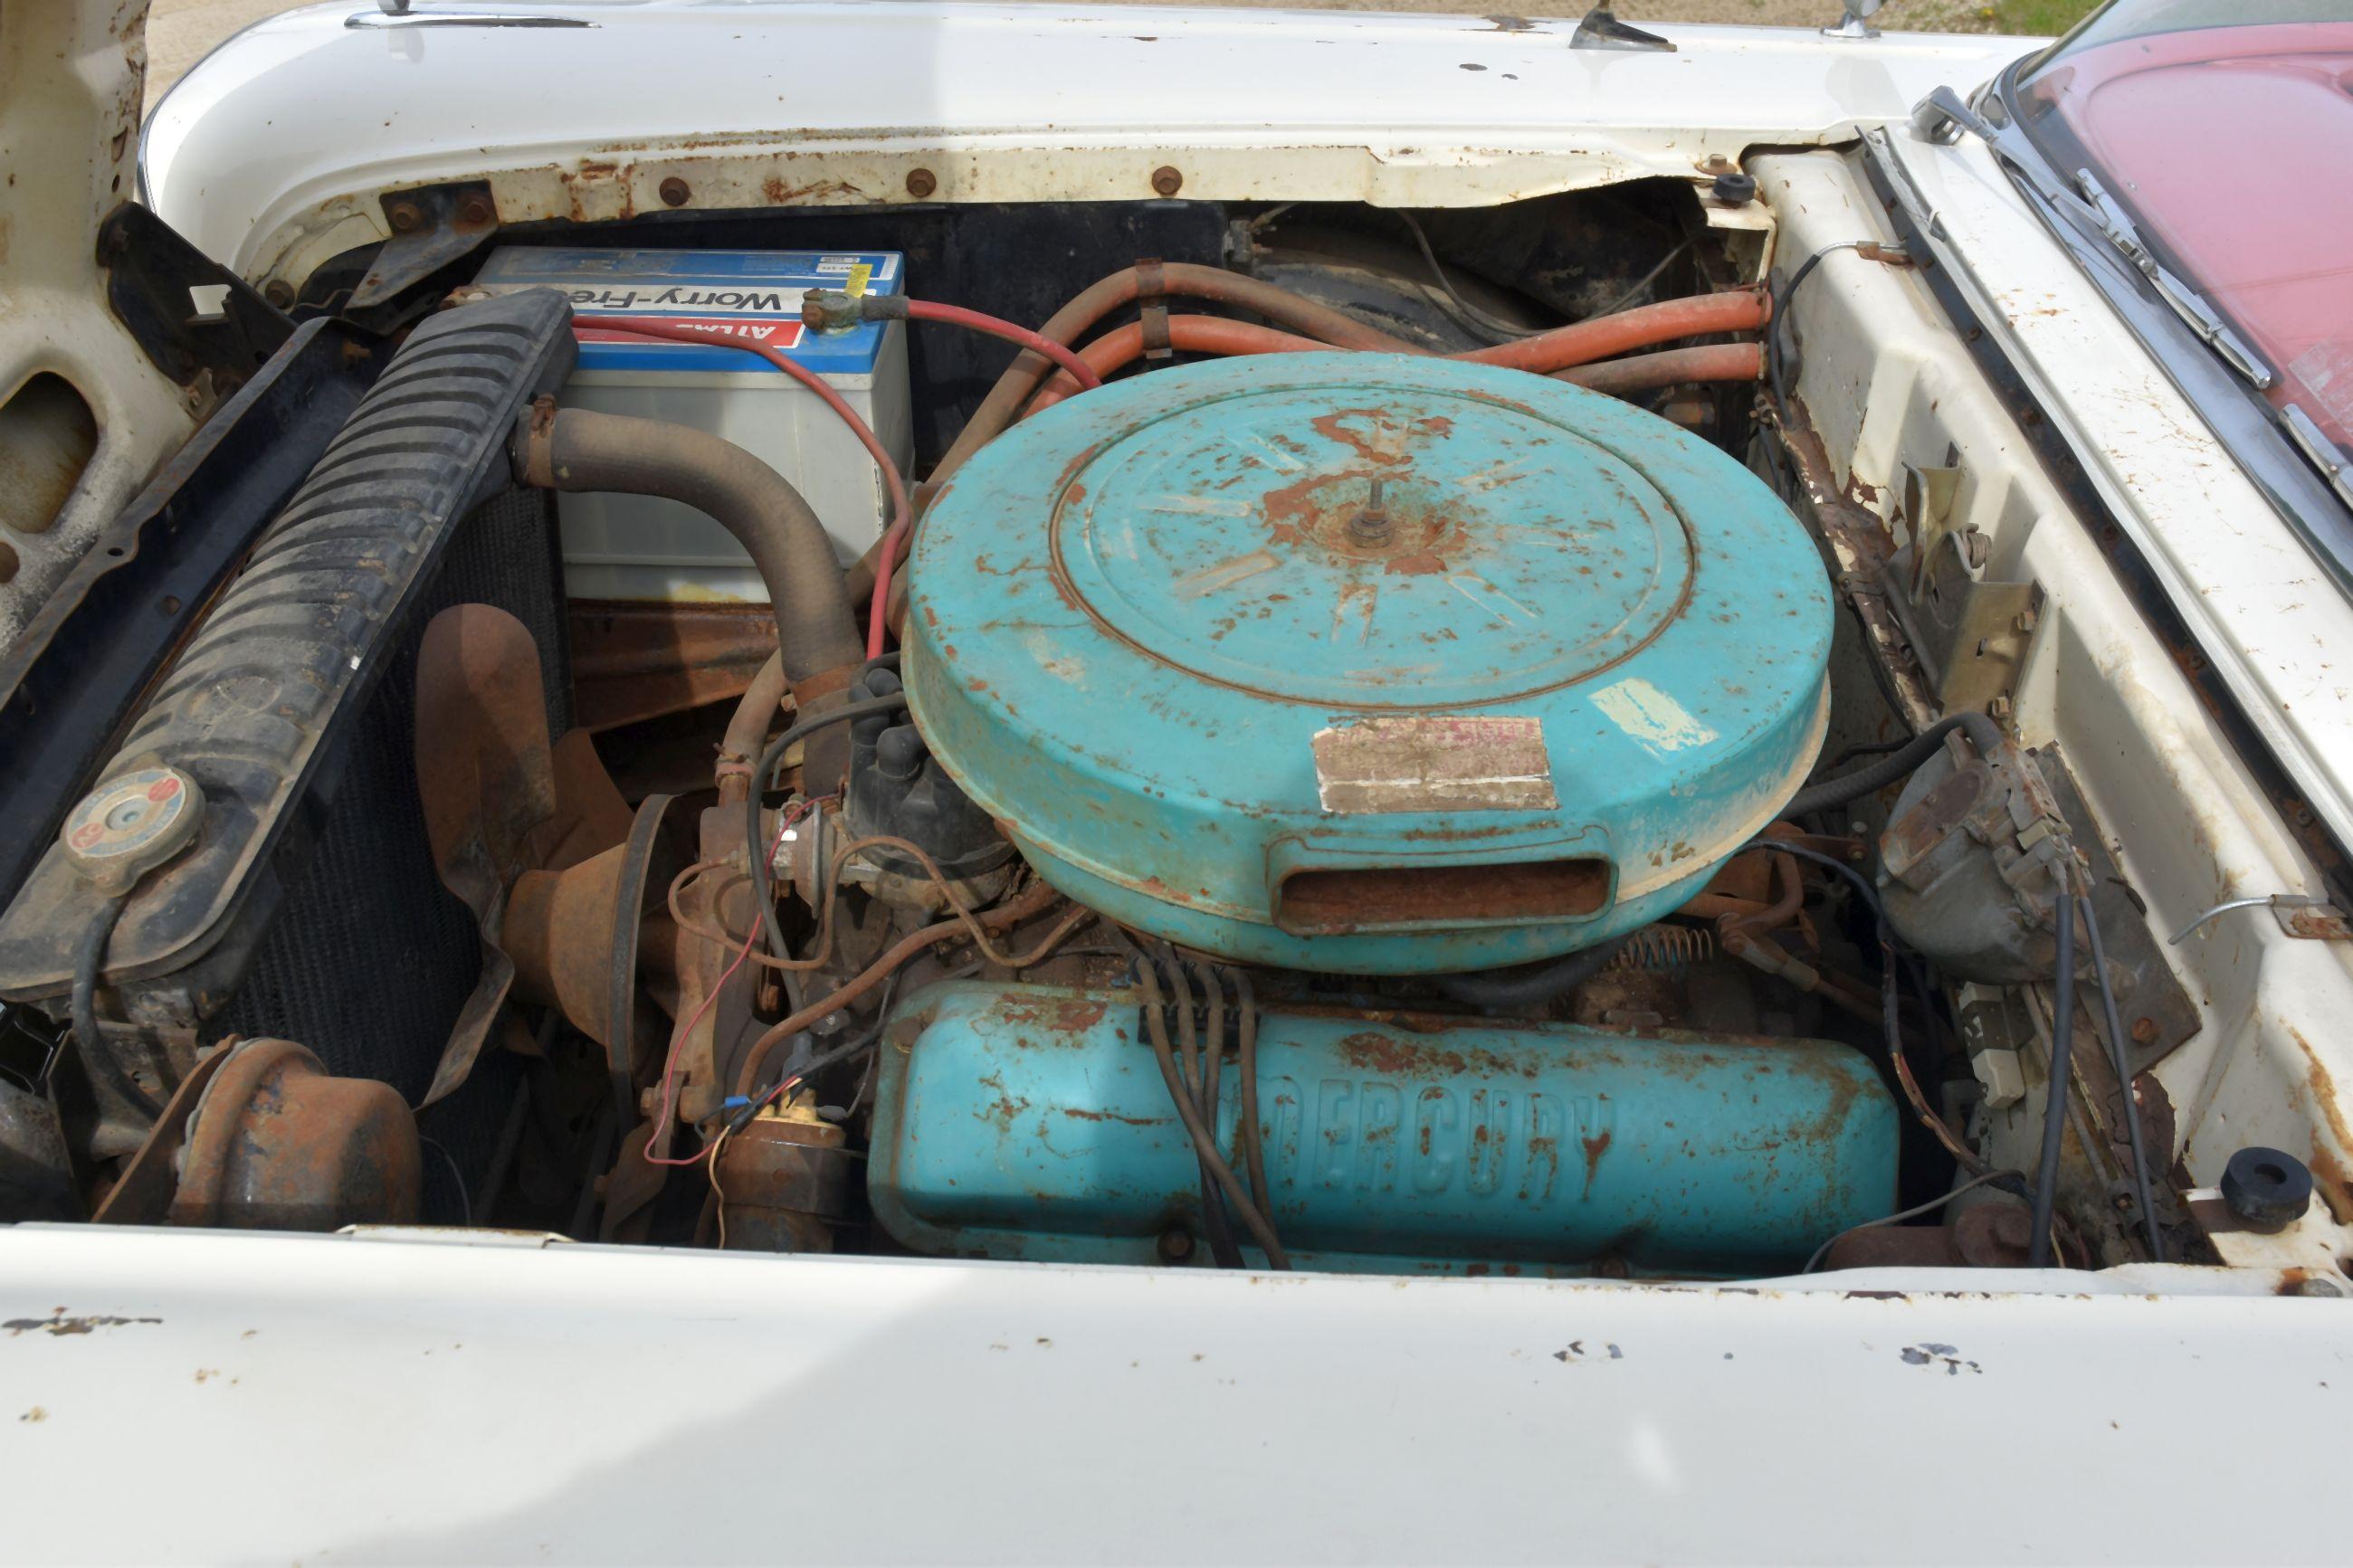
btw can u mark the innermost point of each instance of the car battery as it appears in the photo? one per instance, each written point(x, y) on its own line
point(645, 548)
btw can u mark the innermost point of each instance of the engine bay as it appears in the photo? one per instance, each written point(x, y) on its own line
point(1273, 736)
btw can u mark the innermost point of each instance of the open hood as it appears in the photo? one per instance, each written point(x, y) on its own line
point(86, 414)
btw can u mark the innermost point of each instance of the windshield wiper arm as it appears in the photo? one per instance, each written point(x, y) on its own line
point(1943, 112)
point(2188, 304)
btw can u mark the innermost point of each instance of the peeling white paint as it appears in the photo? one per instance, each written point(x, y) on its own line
point(1650, 716)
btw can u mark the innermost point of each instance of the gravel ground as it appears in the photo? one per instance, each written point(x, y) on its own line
point(181, 32)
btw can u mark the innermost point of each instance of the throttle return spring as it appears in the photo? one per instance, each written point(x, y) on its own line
point(1663, 947)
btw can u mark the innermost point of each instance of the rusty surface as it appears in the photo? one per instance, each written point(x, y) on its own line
point(590, 814)
point(1893, 1247)
point(558, 932)
point(485, 763)
point(1387, 898)
point(280, 1144)
point(2316, 923)
point(486, 781)
point(1789, 904)
point(1860, 549)
point(506, 809)
point(1938, 814)
point(1763, 952)
point(721, 899)
point(565, 927)
point(143, 1195)
point(633, 661)
point(1549, 1137)
point(1629, 998)
point(432, 225)
point(648, 860)
point(1745, 878)
point(2152, 1002)
point(1992, 1235)
point(1456, 762)
point(786, 1182)
point(1662, 947)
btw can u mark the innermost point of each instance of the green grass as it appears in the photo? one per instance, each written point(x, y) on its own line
point(2036, 17)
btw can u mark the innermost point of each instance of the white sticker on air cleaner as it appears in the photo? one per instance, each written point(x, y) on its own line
point(1434, 764)
point(1652, 717)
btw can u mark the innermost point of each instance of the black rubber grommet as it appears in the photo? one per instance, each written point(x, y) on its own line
point(2266, 1189)
point(1736, 189)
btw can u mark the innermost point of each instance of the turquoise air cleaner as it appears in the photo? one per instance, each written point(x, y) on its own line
point(1367, 663)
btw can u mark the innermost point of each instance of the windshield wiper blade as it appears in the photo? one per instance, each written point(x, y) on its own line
point(2201, 317)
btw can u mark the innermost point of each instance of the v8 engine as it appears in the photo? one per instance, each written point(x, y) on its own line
point(1368, 664)
point(1290, 788)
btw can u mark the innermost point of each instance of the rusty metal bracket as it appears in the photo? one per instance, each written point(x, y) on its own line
point(200, 323)
point(1970, 633)
point(143, 1195)
point(2300, 915)
point(2152, 1003)
point(432, 225)
point(2317, 921)
point(1151, 294)
point(1157, 343)
point(1923, 499)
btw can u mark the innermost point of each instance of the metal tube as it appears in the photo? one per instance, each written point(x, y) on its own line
point(2121, 1050)
point(2055, 1106)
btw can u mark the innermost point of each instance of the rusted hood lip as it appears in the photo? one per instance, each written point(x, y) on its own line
point(1052, 87)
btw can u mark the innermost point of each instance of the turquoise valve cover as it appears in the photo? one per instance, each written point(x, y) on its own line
point(1032, 1122)
point(1367, 663)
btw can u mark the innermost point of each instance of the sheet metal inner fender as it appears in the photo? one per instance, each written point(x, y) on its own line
point(1367, 663)
point(1030, 1122)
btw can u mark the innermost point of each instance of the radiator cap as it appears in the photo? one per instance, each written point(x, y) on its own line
point(131, 823)
point(1367, 663)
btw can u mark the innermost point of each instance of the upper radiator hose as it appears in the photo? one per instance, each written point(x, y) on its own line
point(816, 632)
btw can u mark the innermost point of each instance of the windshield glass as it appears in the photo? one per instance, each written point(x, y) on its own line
point(2219, 124)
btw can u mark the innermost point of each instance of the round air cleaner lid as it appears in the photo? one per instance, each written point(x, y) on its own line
point(1366, 662)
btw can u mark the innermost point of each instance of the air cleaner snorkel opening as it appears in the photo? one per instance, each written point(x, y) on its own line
point(1339, 900)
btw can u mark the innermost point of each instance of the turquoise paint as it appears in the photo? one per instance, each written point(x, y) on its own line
point(1030, 1122)
point(1132, 614)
